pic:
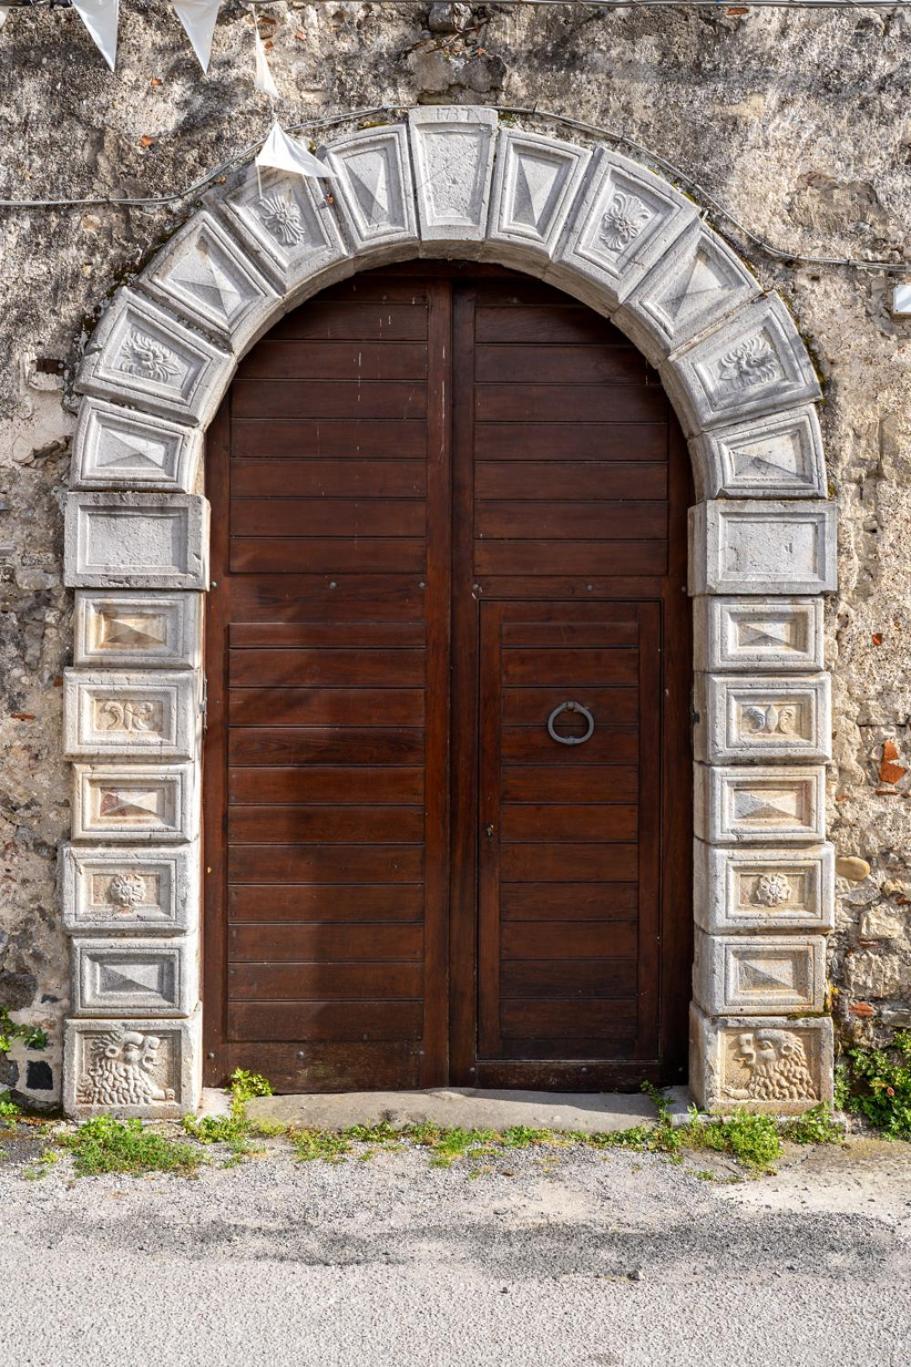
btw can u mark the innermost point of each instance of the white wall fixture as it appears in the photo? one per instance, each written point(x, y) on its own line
point(450, 182)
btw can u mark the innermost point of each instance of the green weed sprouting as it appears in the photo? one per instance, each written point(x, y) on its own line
point(104, 1144)
point(876, 1083)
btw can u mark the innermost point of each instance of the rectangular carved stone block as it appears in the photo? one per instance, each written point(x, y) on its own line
point(373, 190)
point(759, 974)
point(775, 455)
point(203, 273)
point(754, 546)
point(135, 977)
point(123, 802)
point(138, 630)
point(762, 717)
point(286, 224)
point(755, 362)
point(693, 286)
point(150, 1068)
point(758, 633)
point(120, 448)
point(624, 224)
point(771, 1065)
point(452, 149)
point(763, 889)
point(760, 805)
point(130, 716)
point(535, 184)
point(141, 354)
point(137, 891)
point(156, 541)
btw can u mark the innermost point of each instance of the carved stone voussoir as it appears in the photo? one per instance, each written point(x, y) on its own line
point(696, 284)
point(149, 1068)
point(139, 630)
point(118, 448)
point(626, 220)
point(129, 540)
point(762, 717)
point(535, 185)
point(759, 974)
point(373, 191)
point(134, 802)
point(135, 891)
point(769, 1065)
point(203, 273)
point(140, 354)
point(743, 890)
point(777, 455)
point(286, 223)
point(754, 362)
point(750, 634)
point(135, 977)
point(754, 546)
point(452, 148)
point(130, 716)
point(760, 806)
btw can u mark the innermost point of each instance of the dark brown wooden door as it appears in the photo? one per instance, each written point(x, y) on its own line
point(447, 501)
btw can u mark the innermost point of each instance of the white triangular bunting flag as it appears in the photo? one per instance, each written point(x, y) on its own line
point(287, 155)
point(100, 18)
point(263, 78)
point(198, 18)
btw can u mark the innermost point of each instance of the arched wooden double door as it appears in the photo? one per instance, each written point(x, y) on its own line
point(447, 791)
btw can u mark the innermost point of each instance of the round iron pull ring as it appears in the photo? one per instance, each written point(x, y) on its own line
point(570, 740)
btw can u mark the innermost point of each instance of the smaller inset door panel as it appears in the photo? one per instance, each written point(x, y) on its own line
point(569, 812)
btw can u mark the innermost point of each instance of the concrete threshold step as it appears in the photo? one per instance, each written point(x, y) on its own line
point(466, 1107)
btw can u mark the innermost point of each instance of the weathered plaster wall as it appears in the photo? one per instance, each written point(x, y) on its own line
point(796, 121)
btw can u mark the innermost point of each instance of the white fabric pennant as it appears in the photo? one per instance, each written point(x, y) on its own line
point(100, 18)
point(263, 79)
point(287, 155)
point(198, 18)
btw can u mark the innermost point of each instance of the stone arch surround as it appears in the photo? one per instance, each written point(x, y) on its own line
point(449, 182)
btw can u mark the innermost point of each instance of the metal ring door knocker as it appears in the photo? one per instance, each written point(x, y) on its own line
point(570, 740)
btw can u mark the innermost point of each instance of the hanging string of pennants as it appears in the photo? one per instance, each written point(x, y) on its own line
point(198, 17)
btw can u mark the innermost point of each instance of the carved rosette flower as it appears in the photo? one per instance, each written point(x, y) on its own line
point(623, 221)
point(127, 890)
point(283, 219)
point(147, 358)
point(749, 363)
point(771, 890)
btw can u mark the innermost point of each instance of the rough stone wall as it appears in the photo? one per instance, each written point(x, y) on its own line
point(795, 121)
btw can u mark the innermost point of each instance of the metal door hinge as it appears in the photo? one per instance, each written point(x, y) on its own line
point(204, 704)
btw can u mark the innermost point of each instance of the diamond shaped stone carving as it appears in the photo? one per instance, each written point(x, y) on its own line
point(759, 974)
point(129, 716)
point(534, 188)
point(452, 149)
point(625, 222)
point(142, 355)
point(753, 546)
point(772, 1065)
point(696, 284)
point(115, 540)
point(755, 362)
point(119, 448)
point(743, 890)
point(203, 273)
point(124, 802)
point(762, 717)
point(150, 1068)
point(286, 224)
point(759, 805)
point(144, 630)
point(135, 891)
point(373, 189)
point(134, 977)
point(758, 633)
point(776, 455)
